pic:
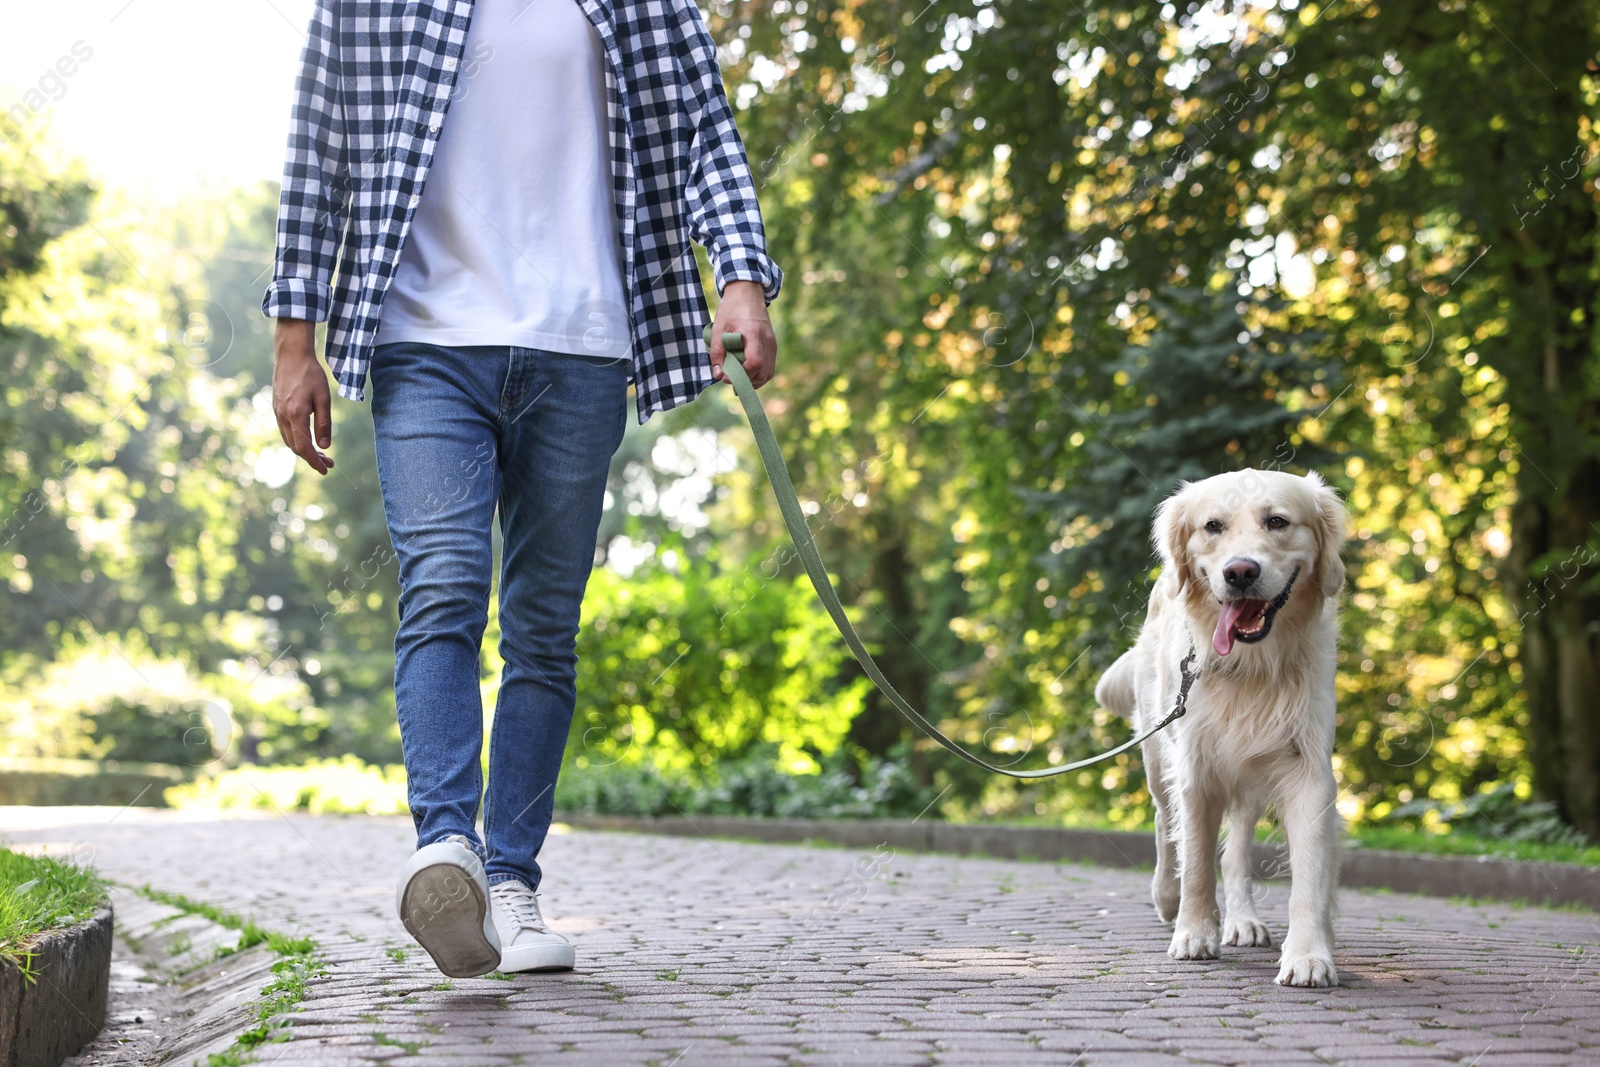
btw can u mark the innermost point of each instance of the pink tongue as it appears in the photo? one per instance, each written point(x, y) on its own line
point(1222, 640)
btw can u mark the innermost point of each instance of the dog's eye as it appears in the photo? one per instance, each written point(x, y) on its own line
point(1214, 526)
point(1276, 522)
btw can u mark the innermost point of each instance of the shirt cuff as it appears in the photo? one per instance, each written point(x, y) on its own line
point(742, 263)
point(297, 298)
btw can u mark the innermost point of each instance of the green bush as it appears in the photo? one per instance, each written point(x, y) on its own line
point(319, 787)
point(696, 663)
point(621, 789)
point(119, 702)
point(754, 784)
point(1497, 813)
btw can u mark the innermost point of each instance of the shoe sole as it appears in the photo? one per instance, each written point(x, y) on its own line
point(444, 909)
point(538, 958)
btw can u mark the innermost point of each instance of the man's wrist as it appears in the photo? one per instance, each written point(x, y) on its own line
point(743, 288)
point(294, 338)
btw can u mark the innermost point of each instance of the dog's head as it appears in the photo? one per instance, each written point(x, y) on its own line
point(1250, 544)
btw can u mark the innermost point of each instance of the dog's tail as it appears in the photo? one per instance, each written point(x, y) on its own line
point(1114, 691)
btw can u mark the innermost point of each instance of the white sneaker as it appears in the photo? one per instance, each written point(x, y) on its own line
point(527, 944)
point(443, 900)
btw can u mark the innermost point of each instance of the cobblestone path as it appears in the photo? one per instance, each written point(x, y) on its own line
point(717, 952)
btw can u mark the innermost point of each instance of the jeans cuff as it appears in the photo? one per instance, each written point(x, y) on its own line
point(473, 844)
point(496, 879)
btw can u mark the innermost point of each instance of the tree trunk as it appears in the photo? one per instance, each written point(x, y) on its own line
point(880, 726)
point(1560, 645)
point(1549, 359)
point(1555, 522)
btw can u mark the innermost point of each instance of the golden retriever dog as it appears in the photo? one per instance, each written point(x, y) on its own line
point(1250, 583)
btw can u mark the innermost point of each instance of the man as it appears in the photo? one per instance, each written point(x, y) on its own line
point(509, 189)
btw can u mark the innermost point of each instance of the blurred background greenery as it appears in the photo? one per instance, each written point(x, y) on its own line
point(1044, 260)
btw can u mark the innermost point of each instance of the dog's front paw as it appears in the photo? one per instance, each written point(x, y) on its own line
point(1195, 943)
point(1314, 970)
point(1245, 931)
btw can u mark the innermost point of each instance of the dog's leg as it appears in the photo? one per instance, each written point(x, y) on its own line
point(1241, 925)
point(1197, 934)
point(1312, 825)
point(1164, 888)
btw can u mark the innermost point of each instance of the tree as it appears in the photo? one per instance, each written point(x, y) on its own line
point(1329, 177)
point(1478, 119)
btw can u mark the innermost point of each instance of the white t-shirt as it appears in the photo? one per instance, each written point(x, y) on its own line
point(515, 239)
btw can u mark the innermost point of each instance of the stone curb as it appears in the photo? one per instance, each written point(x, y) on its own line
point(1550, 884)
point(195, 1001)
point(45, 1021)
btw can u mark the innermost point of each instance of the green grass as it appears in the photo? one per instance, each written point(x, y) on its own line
point(249, 933)
point(287, 988)
point(412, 1047)
point(1457, 843)
point(1398, 839)
point(38, 894)
point(298, 962)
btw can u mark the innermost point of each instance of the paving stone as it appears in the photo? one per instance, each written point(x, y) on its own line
point(933, 965)
point(1247, 1055)
point(1004, 1059)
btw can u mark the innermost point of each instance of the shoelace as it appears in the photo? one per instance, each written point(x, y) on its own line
point(521, 905)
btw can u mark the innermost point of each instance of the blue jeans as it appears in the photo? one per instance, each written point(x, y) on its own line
point(460, 431)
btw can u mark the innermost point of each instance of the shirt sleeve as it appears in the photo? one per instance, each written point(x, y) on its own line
point(724, 214)
point(313, 208)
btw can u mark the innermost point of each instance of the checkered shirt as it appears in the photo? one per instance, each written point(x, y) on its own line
point(371, 97)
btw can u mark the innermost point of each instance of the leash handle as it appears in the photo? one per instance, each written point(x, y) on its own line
point(731, 342)
point(822, 582)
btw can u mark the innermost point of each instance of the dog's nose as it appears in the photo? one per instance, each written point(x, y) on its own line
point(1241, 573)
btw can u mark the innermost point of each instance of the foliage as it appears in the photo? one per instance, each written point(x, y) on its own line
point(1459, 843)
point(1494, 813)
point(39, 894)
point(695, 664)
point(753, 785)
point(115, 702)
point(994, 204)
point(1045, 260)
point(148, 511)
point(324, 787)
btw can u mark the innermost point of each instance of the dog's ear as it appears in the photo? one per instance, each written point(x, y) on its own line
point(1332, 518)
point(1171, 532)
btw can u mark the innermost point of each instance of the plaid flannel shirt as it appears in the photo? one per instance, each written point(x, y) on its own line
point(374, 85)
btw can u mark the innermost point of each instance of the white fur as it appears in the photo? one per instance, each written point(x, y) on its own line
point(1260, 721)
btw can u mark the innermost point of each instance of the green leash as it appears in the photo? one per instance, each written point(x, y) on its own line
point(800, 533)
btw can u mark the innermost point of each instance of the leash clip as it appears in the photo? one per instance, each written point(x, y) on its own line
point(1180, 707)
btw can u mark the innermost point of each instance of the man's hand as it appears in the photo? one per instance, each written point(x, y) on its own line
point(300, 397)
point(744, 310)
